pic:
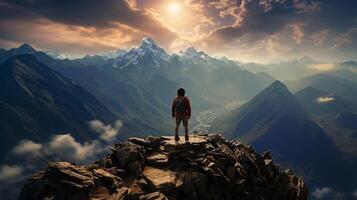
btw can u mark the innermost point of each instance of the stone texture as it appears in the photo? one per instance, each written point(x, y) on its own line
point(157, 168)
point(162, 179)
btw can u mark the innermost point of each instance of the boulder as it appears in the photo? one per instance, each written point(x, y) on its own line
point(153, 196)
point(157, 158)
point(162, 179)
point(128, 156)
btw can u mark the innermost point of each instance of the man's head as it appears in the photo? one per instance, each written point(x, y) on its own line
point(181, 92)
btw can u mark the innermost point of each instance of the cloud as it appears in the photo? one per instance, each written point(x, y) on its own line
point(325, 99)
point(320, 193)
point(346, 38)
point(354, 194)
point(107, 133)
point(62, 146)
point(10, 172)
point(298, 33)
point(304, 27)
point(322, 66)
point(328, 193)
point(324, 29)
point(67, 148)
point(70, 40)
point(99, 26)
point(27, 147)
point(93, 13)
point(319, 37)
point(258, 17)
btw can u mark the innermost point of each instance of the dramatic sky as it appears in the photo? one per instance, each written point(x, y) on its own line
point(247, 30)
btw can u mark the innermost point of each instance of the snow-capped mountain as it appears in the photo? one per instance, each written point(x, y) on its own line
point(114, 54)
point(147, 54)
point(193, 56)
point(192, 53)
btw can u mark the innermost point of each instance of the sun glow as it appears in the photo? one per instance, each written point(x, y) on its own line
point(174, 8)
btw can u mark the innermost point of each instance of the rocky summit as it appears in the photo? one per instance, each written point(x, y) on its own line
point(158, 168)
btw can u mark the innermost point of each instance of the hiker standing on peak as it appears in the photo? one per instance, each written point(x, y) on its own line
point(181, 111)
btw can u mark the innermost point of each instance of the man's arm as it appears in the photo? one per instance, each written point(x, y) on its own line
point(173, 108)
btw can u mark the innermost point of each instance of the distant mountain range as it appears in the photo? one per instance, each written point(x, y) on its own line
point(147, 65)
point(292, 70)
point(318, 102)
point(136, 86)
point(336, 114)
point(328, 83)
point(275, 120)
point(37, 102)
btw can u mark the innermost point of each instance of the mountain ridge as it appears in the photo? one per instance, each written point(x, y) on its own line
point(208, 167)
point(275, 120)
point(37, 102)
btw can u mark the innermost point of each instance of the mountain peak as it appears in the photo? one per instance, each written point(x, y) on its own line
point(147, 52)
point(191, 49)
point(277, 83)
point(278, 97)
point(278, 86)
point(192, 52)
point(149, 45)
point(24, 49)
point(147, 41)
point(26, 46)
point(160, 168)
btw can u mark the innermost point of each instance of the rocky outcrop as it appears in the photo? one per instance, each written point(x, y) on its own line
point(157, 168)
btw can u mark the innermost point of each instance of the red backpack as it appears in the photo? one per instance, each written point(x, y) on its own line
point(180, 105)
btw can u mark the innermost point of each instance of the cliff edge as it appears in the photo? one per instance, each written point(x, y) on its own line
point(157, 168)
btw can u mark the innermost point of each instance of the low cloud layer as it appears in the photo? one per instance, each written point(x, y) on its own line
point(330, 193)
point(322, 193)
point(62, 146)
point(66, 147)
point(27, 147)
point(33, 155)
point(10, 172)
point(354, 194)
point(322, 66)
point(325, 99)
point(107, 133)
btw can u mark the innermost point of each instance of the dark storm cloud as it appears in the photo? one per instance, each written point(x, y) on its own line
point(99, 14)
point(264, 17)
point(250, 29)
point(225, 34)
point(10, 12)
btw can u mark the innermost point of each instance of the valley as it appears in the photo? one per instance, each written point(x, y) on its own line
point(205, 118)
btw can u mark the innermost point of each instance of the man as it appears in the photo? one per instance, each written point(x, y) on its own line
point(181, 110)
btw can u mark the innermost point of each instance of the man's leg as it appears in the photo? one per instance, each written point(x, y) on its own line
point(185, 124)
point(178, 122)
point(176, 133)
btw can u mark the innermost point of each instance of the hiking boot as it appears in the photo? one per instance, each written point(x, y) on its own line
point(177, 138)
point(186, 137)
